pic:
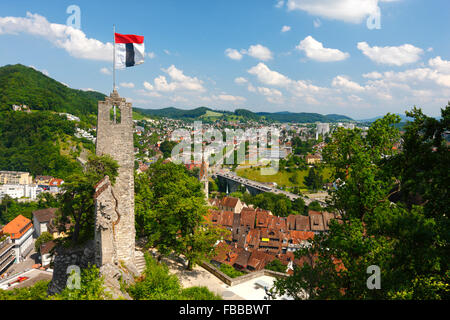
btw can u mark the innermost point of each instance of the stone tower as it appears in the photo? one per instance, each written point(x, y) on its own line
point(115, 204)
point(203, 178)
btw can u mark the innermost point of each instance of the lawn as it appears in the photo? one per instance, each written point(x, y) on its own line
point(281, 178)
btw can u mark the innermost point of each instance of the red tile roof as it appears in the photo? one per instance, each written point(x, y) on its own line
point(18, 227)
point(45, 215)
point(316, 219)
point(258, 260)
point(248, 218)
point(230, 202)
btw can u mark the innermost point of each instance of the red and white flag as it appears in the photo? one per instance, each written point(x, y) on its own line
point(130, 50)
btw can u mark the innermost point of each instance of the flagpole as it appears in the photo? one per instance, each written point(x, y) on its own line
point(114, 58)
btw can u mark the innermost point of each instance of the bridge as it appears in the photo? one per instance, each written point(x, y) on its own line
point(253, 187)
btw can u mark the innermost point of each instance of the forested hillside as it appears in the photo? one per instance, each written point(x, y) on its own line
point(22, 85)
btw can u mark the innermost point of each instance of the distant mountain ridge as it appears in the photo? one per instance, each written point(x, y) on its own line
point(283, 116)
point(23, 85)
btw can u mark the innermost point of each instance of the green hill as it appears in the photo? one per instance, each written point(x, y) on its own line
point(242, 114)
point(22, 85)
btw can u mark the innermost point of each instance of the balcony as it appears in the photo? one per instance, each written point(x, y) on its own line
point(7, 262)
point(4, 247)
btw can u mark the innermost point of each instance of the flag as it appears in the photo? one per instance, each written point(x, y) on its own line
point(130, 50)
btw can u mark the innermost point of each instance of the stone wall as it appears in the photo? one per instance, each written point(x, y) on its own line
point(244, 278)
point(63, 258)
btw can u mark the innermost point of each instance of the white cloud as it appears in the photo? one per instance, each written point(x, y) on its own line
point(259, 52)
point(127, 84)
point(440, 65)
point(240, 80)
point(344, 83)
point(315, 51)
point(353, 11)
point(280, 4)
point(106, 71)
point(396, 56)
point(151, 55)
point(229, 98)
point(373, 75)
point(256, 51)
point(72, 40)
point(269, 77)
point(272, 95)
point(286, 29)
point(179, 82)
point(233, 54)
point(251, 88)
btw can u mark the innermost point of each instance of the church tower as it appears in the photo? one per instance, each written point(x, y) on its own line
point(203, 178)
point(115, 204)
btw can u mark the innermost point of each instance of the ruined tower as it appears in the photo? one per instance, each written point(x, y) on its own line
point(115, 204)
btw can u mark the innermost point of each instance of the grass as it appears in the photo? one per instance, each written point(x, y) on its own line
point(281, 178)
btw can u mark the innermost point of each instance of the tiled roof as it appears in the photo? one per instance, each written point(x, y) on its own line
point(17, 227)
point(242, 259)
point(227, 218)
point(230, 202)
point(316, 219)
point(262, 219)
point(248, 218)
point(259, 259)
point(278, 223)
point(327, 217)
point(46, 247)
point(45, 215)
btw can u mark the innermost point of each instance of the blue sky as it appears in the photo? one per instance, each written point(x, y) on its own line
point(263, 55)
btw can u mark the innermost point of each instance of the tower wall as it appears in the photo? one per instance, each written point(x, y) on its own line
point(116, 139)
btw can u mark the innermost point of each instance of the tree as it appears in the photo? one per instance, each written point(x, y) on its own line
point(405, 240)
point(276, 265)
point(42, 239)
point(199, 246)
point(170, 211)
point(313, 180)
point(77, 198)
point(91, 287)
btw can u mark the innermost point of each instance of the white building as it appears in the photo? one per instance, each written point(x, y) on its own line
point(21, 232)
point(322, 129)
point(17, 191)
point(41, 218)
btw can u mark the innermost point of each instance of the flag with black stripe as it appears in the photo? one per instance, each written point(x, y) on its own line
point(130, 50)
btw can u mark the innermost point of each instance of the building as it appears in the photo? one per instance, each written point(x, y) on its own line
point(7, 253)
point(43, 180)
point(46, 256)
point(322, 129)
point(21, 232)
point(17, 191)
point(231, 204)
point(41, 219)
point(15, 177)
point(313, 158)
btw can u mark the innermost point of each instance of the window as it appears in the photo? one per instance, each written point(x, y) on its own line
point(115, 115)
